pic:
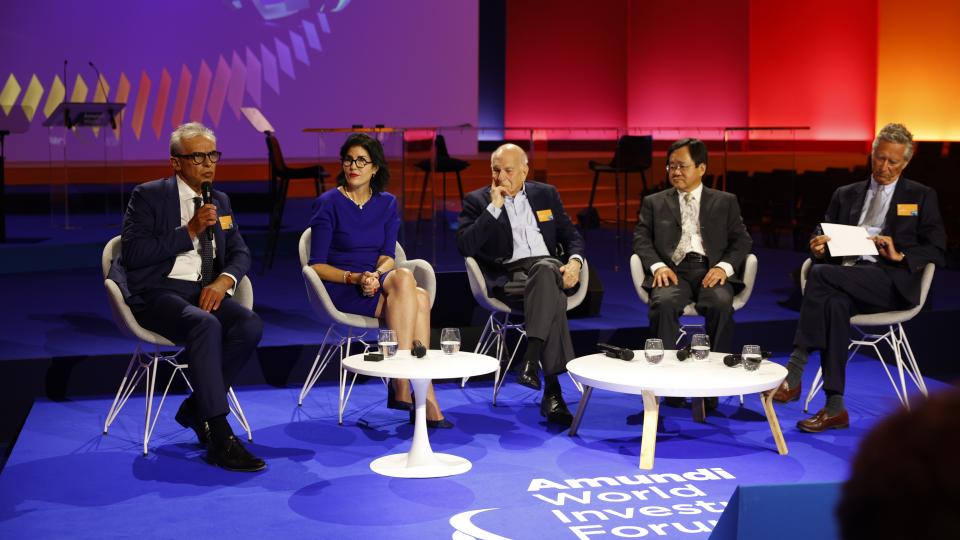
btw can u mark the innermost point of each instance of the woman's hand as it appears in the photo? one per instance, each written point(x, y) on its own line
point(369, 283)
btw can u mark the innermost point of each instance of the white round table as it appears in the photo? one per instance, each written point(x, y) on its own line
point(421, 461)
point(673, 378)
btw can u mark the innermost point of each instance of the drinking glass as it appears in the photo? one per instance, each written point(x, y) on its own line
point(700, 346)
point(653, 350)
point(387, 342)
point(450, 340)
point(751, 357)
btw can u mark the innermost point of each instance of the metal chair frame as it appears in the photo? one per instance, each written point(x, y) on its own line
point(144, 365)
point(894, 336)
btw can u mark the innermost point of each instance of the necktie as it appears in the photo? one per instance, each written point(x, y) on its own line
point(689, 224)
point(206, 251)
point(874, 216)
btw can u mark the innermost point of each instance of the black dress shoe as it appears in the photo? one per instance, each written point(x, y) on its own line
point(394, 403)
point(528, 375)
point(442, 423)
point(555, 410)
point(187, 417)
point(232, 456)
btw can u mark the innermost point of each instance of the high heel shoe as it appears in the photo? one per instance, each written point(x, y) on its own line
point(396, 404)
point(442, 423)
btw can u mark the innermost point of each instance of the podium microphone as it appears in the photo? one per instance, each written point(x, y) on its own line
point(106, 98)
point(615, 352)
point(207, 194)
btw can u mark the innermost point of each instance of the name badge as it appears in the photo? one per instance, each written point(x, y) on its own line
point(908, 210)
point(544, 215)
point(226, 222)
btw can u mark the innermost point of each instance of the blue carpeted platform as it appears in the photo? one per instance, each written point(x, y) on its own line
point(529, 480)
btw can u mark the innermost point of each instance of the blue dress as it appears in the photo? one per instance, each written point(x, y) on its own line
point(351, 238)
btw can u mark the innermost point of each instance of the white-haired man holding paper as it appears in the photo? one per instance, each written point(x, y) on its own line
point(902, 220)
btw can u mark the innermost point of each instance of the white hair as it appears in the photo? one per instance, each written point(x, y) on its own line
point(511, 148)
point(187, 131)
point(896, 134)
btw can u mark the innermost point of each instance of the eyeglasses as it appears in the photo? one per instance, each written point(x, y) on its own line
point(198, 157)
point(360, 162)
point(678, 166)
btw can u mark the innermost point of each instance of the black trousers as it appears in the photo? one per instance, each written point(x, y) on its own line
point(714, 303)
point(834, 294)
point(537, 286)
point(218, 344)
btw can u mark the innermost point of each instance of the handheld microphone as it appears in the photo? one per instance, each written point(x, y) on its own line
point(103, 90)
point(207, 193)
point(418, 349)
point(615, 352)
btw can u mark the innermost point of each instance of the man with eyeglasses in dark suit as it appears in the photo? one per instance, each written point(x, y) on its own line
point(180, 261)
point(692, 241)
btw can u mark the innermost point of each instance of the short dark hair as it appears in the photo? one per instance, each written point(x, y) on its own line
point(698, 150)
point(903, 480)
point(373, 147)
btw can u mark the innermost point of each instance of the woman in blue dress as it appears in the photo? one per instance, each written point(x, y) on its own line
point(353, 245)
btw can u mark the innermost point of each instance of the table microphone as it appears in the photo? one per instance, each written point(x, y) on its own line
point(207, 194)
point(615, 352)
point(418, 349)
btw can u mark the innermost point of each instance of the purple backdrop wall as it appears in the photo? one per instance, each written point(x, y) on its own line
point(304, 63)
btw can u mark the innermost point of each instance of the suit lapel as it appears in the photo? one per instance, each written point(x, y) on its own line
point(856, 208)
point(900, 196)
point(673, 204)
point(171, 193)
point(706, 200)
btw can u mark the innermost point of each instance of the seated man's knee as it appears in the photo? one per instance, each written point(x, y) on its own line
point(716, 300)
point(206, 324)
point(251, 325)
point(668, 299)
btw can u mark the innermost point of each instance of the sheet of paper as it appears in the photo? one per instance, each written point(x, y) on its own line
point(848, 240)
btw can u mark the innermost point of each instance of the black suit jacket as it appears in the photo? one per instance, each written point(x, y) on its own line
point(490, 241)
point(152, 238)
point(920, 237)
point(725, 239)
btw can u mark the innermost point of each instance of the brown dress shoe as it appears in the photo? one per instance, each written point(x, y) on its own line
point(785, 394)
point(821, 422)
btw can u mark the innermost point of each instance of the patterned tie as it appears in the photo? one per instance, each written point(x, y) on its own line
point(206, 250)
point(874, 216)
point(689, 224)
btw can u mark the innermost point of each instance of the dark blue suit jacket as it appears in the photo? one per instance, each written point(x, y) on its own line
point(919, 235)
point(490, 241)
point(152, 238)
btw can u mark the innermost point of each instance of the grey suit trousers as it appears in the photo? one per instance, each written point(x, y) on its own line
point(537, 286)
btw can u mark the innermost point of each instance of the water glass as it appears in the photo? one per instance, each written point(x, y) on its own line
point(700, 346)
point(653, 351)
point(450, 340)
point(387, 341)
point(751, 357)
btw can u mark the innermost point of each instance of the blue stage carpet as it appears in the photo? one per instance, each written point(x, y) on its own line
point(65, 480)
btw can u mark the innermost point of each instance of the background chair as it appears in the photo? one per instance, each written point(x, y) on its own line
point(499, 322)
point(146, 363)
point(633, 154)
point(445, 164)
point(280, 176)
point(342, 326)
point(893, 335)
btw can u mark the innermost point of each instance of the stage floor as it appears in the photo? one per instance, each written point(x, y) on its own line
point(529, 480)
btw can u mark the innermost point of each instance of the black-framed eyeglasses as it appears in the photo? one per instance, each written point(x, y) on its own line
point(198, 157)
point(360, 162)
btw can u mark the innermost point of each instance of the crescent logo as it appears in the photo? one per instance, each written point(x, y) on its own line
point(466, 530)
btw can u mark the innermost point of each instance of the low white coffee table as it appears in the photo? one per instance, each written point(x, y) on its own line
point(421, 461)
point(673, 378)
